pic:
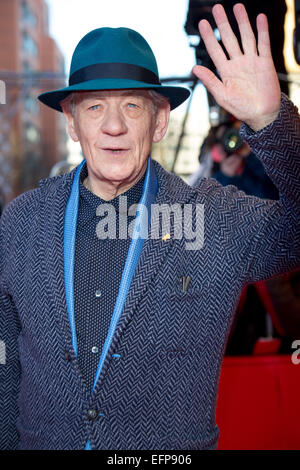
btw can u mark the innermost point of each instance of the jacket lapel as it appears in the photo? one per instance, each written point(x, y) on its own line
point(56, 193)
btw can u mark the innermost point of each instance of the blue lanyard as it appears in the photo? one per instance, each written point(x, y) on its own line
point(137, 240)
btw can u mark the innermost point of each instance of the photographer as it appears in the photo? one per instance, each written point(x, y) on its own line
point(227, 158)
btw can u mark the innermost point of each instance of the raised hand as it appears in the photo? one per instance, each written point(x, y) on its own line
point(248, 86)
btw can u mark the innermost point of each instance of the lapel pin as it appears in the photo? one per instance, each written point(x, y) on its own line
point(166, 237)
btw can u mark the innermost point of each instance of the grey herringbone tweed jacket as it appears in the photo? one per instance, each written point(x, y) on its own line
point(158, 386)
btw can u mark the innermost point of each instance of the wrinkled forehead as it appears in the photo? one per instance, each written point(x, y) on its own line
point(86, 95)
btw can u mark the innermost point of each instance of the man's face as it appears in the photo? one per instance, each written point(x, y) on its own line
point(116, 130)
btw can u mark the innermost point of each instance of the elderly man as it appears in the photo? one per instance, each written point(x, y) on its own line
point(114, 339)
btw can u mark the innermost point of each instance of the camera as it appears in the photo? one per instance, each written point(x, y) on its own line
point(231, 140)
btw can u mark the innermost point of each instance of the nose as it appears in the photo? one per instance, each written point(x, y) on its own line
point(113, 122)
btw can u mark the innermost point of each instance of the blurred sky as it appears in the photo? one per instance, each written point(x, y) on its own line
point(161, 22)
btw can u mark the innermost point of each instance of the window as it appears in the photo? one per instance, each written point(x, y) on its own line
point(28, 15)
point(61, 67)
point(31, 105)
point(29, 44)
point(27, 68)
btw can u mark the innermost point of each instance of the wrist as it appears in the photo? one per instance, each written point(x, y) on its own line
point(262, 121)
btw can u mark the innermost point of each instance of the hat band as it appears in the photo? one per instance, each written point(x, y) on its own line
point(114, 70)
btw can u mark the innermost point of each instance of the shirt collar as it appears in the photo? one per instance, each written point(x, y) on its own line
point(88, 201)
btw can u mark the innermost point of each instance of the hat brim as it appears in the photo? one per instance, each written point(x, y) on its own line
point(176, 94)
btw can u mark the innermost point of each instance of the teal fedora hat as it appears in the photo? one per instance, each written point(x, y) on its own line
point(113, 59)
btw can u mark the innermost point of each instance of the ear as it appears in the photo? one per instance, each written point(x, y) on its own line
point(70, 122)
point(162, 121)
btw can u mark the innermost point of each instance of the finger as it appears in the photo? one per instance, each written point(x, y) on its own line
point(228, 38)
point(246, 32)
point(263, 43)
point(213, 47)
point(211, 82)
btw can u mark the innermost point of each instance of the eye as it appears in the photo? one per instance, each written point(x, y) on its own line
point(132, 105)
point(94, 107)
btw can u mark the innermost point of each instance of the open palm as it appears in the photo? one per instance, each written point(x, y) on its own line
point(248, 86)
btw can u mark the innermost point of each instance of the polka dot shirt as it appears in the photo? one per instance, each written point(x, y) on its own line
point(98, 270)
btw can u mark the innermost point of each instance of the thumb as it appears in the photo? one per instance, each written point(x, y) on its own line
point(210, 81)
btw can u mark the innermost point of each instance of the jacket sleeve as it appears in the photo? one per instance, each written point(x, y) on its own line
point(262, 237)
point(9, 359)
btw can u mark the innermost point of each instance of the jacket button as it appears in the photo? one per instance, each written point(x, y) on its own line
point(92, 414)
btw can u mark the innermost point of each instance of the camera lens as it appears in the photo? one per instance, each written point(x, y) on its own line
point(232, 140)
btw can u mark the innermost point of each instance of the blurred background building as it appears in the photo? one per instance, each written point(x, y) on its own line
point(32, 137)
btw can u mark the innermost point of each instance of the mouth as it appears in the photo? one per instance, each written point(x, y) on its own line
point(115, 151)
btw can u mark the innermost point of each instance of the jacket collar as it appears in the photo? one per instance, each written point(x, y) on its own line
point(172, 189)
